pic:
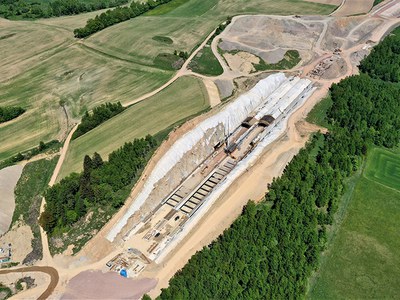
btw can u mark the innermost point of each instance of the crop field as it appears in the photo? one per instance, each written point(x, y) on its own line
point(135, 39)
point(69, 23)
point(166, 8)
point(363, 262)
point(22, 46)
point(185, 97)
point(42, 64)
point(196, 8)
point(83, 81)
point(384, 167)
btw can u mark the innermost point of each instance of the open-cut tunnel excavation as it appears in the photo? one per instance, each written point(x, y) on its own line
point(230, 141)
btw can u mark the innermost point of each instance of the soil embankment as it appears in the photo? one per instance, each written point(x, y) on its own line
point(97, 285)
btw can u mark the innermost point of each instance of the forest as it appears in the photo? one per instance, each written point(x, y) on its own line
point(100, 185)
point(117, 15)
point(384, 61)
point(8, 113)
point(99, 115)
point(33, 9)
point(272, 249)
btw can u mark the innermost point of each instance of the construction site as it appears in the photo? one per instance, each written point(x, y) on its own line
point(231, 140)
point(200, 178)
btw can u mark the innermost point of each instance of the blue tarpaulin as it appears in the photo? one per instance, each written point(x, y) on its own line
point(123, 273)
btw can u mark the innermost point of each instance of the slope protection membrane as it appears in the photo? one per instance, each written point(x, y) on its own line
point(230, 117)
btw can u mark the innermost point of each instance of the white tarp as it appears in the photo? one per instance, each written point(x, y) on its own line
point(231, 117)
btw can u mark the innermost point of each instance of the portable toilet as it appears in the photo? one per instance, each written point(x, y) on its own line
point(123, 273)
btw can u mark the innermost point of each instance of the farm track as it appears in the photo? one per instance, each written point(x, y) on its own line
point(47, 258)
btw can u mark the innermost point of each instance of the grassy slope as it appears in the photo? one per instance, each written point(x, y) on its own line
point(206, 63)
point(117, 64)
point(28, 197)
point(289, 61)
point(185, 97)
point(363, 261)
point(318, 114)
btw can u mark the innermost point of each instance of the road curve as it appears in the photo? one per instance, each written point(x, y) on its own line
point(182, 72)
point(54, 278)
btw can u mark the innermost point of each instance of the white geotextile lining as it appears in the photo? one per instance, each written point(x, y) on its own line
point(239, 169)
point(231, 117)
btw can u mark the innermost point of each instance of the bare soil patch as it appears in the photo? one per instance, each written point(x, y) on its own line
point(242, 62)
point(225, 88)
point(337, 69)
point(8, 180)
point(270, 57)
point(354, 7)
point(97, 285)
point(20, 237)
point(271, 33)
point(213, 94)
point(38, 283)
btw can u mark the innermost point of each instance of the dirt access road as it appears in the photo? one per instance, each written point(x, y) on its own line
point(52, 272)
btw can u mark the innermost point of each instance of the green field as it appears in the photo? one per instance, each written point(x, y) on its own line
point(83, 81)
point(185, 97)
point(206, 63)
point(362, 260)
point(318, 114)
point(41, 62)
point(384, 167)
point(166, 8)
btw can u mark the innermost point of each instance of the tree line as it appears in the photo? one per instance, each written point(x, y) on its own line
point(46, 9)
point(8, 113)
point(384, 61)
point(101, 184)
point(271, 250)
point(117, 15)
point(53, 145)
point(99, 115)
